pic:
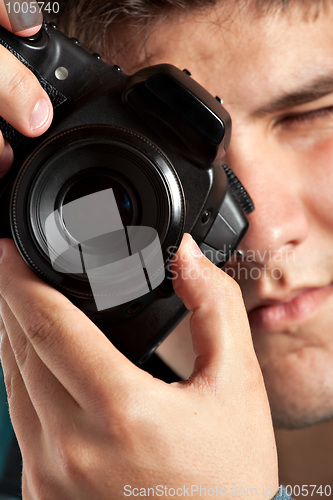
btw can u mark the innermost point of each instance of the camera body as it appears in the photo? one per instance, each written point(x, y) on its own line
point(152, 139)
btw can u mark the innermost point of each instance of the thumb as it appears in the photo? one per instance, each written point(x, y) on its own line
point(23, 20)
point(220, 330)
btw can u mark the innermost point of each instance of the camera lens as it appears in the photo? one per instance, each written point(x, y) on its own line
point(90, 161)
point(97, 181)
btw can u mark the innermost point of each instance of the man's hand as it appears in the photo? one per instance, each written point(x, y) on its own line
point(23, 102)
point(91, 425)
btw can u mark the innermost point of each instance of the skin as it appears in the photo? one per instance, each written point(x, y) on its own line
point(291, 218)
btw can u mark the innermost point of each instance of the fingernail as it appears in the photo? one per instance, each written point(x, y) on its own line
point(195, 250)
point(40, 114)
point(6, 159)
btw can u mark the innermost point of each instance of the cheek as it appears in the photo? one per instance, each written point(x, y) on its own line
point(317, 167)
point(321, 158)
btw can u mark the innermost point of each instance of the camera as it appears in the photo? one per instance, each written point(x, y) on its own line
point(98, 205)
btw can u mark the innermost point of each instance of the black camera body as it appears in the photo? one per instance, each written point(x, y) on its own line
point(153, 138)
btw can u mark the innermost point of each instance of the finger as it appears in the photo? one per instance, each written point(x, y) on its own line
point(70, 345)
point(23, 415)
point(219, 325)
point(24, 18)
point(6, 156)
point(48, 397)
point(23, 102)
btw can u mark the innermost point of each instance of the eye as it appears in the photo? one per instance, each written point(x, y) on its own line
point(307, 117)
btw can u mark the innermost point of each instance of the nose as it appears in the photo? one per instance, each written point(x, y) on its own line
point(275, 183)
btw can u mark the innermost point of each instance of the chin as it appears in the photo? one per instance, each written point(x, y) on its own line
point(299, 385)
point(297, 414)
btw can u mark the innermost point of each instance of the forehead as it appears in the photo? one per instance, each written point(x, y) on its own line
point(243, 56)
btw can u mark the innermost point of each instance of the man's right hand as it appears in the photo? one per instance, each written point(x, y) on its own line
point(91, 425)
point(23, 102)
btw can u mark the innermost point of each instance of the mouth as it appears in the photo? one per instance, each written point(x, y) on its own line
point(279, 315)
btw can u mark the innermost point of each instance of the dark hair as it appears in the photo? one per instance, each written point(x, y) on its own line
point(100, 24)
point(95, 21)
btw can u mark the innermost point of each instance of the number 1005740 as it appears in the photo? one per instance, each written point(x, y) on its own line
point(307, 490)
point(32, 7)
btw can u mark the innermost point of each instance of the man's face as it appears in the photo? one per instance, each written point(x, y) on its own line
point(275, 75)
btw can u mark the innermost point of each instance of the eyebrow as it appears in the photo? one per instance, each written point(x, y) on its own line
point(309, 92)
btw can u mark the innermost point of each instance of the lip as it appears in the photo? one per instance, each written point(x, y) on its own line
point(273, 316)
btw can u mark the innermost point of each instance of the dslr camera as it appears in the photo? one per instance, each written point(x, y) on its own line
point(98, 205)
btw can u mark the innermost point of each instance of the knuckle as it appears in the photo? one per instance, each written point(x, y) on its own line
point(40, 323)
point(9, 383)
point(3, 332)
point(22, 351)
point(14, 386)
point(124, 422)
point(69, 461)
point(73, 458)
point(5, 280)
point(20, 85)
point(12, 376)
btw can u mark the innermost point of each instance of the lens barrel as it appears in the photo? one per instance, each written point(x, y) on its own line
point(85, 160)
